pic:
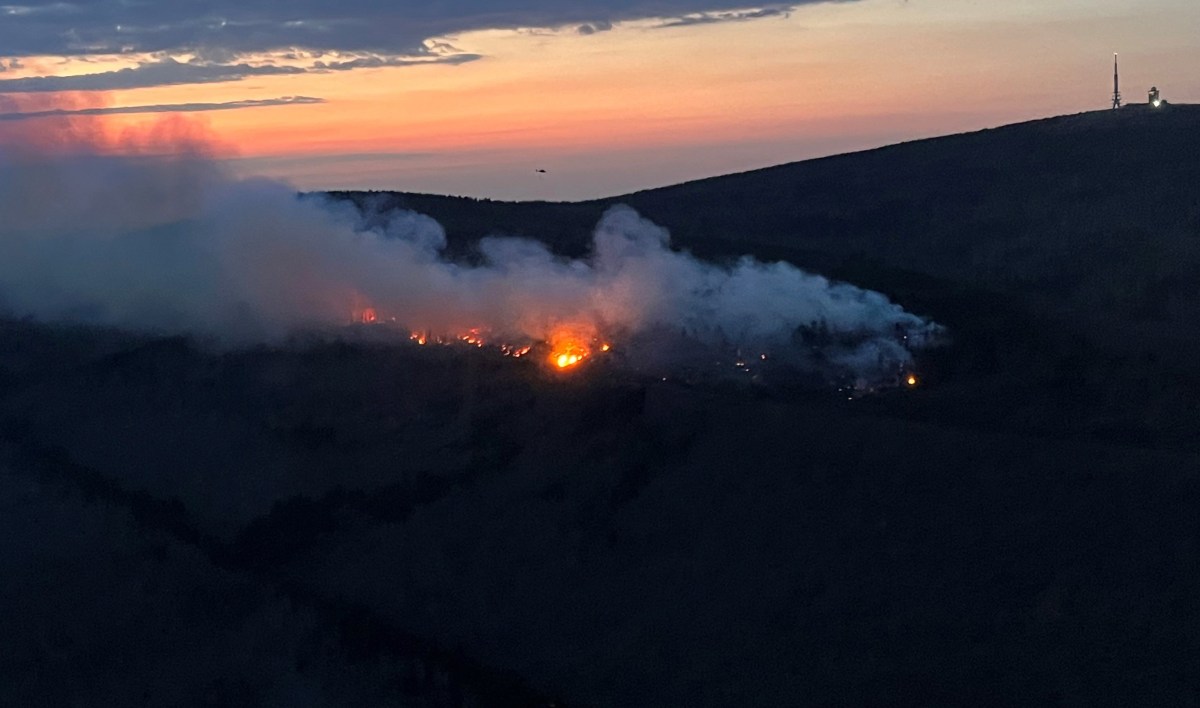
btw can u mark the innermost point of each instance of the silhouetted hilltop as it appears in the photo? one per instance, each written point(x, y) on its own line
point(1091, 210)
point(361, 520)
point(1095, 210)
point(1063, 253)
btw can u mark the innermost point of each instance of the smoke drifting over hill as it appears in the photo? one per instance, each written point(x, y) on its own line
point(172, 244)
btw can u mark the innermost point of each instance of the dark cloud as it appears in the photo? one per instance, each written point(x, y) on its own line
point(706, 18)
point(163, 72)
point(594, 27)
point(169, 72)
point(228, 38)
point(162, 108)
point(375, 61)
point(236, 27)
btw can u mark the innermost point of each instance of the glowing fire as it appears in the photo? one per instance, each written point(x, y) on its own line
point(565, 346)
point(368, 316)
point(514, 351)
point(912, 380)
point(570, 344)
point(472, 337)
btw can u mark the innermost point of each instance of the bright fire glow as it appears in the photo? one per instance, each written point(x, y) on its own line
point(571, 344)
point(912, 380)
point(565, 347)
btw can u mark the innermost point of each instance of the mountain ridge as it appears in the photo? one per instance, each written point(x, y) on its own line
point(367, 521)
point(1090, 152)
point(1063, 254)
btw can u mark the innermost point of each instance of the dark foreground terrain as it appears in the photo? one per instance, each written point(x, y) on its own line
point(359, 522)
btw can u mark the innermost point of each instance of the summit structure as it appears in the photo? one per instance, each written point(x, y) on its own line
point(1116, 98)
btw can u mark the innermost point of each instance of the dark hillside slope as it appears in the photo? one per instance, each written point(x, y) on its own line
point(1063, 253)
point(371, 522)
point(1096, 210)
point(373, 525)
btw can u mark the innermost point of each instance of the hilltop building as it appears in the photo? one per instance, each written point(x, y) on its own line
point(1155, 99)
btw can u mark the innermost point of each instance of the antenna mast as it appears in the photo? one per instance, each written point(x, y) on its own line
point(1116, 84)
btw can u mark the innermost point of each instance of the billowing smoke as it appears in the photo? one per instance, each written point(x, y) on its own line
point(172, 244)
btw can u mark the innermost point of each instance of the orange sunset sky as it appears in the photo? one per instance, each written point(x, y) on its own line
point(650, 100)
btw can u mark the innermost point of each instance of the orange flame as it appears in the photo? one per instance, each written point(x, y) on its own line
point(472, 337)
point(515, 351)
point(564, 361)
point(570, 344)
point(566, 346)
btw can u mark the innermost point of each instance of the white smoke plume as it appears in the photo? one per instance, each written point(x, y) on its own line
point(171, 244)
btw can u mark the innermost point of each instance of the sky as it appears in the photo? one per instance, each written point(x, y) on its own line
point(475, 97)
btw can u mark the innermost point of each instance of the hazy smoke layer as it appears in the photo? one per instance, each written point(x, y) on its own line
point(174, 245)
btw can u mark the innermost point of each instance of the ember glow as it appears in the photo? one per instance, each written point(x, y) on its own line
point(515, 352)
point(473, 337)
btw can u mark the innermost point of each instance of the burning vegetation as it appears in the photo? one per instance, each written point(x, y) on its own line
point(673, 315)
point(564, 347)
point(245, 263)
point(570, 346)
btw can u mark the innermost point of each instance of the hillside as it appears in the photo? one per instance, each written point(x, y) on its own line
point(1001, 205)
point(358, 524)
point(1064, 254)
point(356, 519)
point(1091, 211)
